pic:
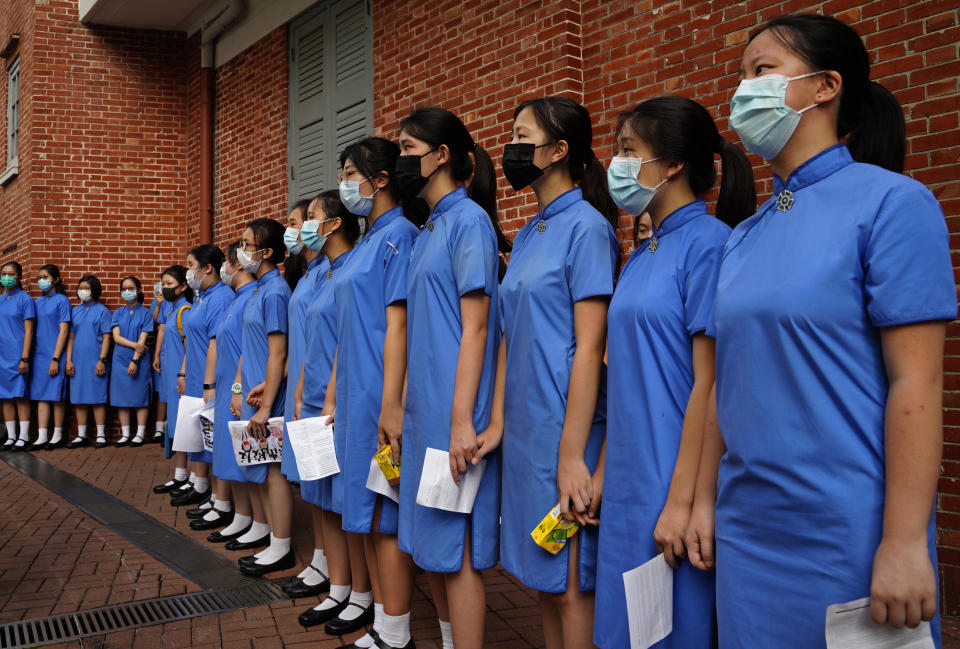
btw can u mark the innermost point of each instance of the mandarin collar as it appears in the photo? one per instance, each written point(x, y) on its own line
point(385, 219)
point(561, 202)
point(680, 217)
point(815, 169)
point(447, 202)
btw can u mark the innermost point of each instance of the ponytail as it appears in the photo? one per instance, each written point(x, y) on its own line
point(483, 192)
point(879, 136)
point(597, 193)
point(738, 197)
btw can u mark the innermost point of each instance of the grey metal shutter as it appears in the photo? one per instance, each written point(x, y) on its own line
point(331, 91)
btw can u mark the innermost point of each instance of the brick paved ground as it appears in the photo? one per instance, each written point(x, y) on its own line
point(42, 572)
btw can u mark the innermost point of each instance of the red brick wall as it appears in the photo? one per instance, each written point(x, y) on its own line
point(481, 59)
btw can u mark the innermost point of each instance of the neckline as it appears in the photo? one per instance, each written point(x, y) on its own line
point(680, 217)
point(815, 169)
point(560, 203)
point(384, 220)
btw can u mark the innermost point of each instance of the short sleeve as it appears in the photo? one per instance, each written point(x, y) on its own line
point(105, 318)
point(73, 320)
point(115, 320)
point(474, 256)
point(162, 314)
point(147, 325)
point(28, 310)
point(275, 312)
point(64, 311)
point(908, 273)
point(396, 259)
point(701, 267)
point(215, 312)
point(592, 261)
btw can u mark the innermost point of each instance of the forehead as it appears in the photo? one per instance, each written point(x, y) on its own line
point(128, 282)
point(526, 120)
point(767, 44)
point(248, 235)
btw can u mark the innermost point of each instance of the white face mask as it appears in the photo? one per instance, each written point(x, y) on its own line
point(760, 115)
point(226, 277)
point(246, 261)
point(193, 281)
point(85, 294)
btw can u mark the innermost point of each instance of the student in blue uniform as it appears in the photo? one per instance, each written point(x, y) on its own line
point(249, 517)
point(550, 407)
point(331, 230)
point(87, 358)
point(156, 306)
point(168, 359)
point(660, 367)
point(262, 361)
point(369, 375)
point(48, 381)
point(830, 311)
point(213, 298)
point(452, 341)
point(131, 380)
point(18, 319)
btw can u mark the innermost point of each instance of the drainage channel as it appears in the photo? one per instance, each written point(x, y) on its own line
point(149, 612)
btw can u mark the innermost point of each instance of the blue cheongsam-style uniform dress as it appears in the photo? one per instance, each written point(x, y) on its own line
point(303, 295)
point(567, 254)
point(160, 385)
point(171, 357)
point(229, 344)
point(374, 277)
point(320, 337)
point(455, 254)
point(664, 297)
point(53, 309)
point(16, 308)
point(843, 250)
point(265, 314)
point(153, 345)
point(209, 308)
point(130, 391)
point(90, 322)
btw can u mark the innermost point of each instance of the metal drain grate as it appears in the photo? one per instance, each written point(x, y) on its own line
point(109, 619)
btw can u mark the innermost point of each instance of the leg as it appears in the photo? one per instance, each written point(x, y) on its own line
point(43, 414)
point(335, 547)
point(438, 589)
point(82, 415)
point(224, 490)
point(59, 414)
point(281, 502)
point(468, 617)
point(397, 591)
point(142, 416)
point(100, 414)
point(241, 497)
point(316, 515)
point(572, 624)
point(10, 421)
point(124, 415)
point(359, 567)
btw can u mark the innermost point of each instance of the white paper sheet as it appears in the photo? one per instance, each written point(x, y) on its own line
point(649, 590)
point(187, 436)
point(205, 415)
point(312, 442)
point(437, 488)
point(849, 626)
point(249, 450)
point(377, 482)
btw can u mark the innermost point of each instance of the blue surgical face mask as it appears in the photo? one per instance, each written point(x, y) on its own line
point(128, 296)
point(625, 188)
point(291, 240)
point(44, 284)
point(310, 233)
point(352, 200)
point(760, 116)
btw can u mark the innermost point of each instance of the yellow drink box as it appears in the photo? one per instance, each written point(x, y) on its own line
point(389, 466)
point(554, 531)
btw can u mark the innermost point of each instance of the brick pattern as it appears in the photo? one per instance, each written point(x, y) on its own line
point(54, 559)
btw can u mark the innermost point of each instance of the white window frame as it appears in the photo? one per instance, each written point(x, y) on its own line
point(13, 122)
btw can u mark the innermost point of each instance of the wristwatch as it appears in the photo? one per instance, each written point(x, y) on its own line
point(236, 388)
point(209, 386)
point(181, 375)
point(55, 359)
point(25, 359)
point(103, 360)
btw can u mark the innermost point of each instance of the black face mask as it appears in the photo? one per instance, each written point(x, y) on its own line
point(407, 174)
point(170, 294)
point(518, 166)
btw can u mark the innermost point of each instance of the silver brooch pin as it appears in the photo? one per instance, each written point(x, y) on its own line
point(784, 200)
point(329, 274)
point(542, 226)
point(652, 245)
point(430, 226)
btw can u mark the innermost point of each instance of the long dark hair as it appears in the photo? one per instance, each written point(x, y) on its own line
point(295, 265)
point(376, 156)
point(208, 255)
point(468, 160)
point(870, 117)
point(136, 282)
point(677, 128)
point(268, 233)
point(179, 273)
point(565, 119)
point(333, 208)
point(54, 271)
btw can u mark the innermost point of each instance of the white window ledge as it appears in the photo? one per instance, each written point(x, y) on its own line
point(13, 168)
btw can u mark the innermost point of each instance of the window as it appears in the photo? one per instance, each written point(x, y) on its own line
point(13, 120)
point(331, 91)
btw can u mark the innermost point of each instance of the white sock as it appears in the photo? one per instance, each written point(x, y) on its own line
point(101, 432)
point(377, 617)
point(201, 484)
point(24, 431)
point(365, 642)
point(81, 432)
point(221, 505)
point(180, 474)
point(310, 576)
point(57, 434)
point(277, 549)
point(41, 436)
point(363, 600)
point(213, 511)
point(257, 531)
point(446, 635)
point(124, 433)
point(193, 478)
point(240, 523)
point(141, 433)
point(159, 429)
point(396, 630)
point(338, 594)
point(11, 430)
point(208, 503)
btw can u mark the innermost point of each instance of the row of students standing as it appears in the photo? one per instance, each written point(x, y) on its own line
point(60, 354)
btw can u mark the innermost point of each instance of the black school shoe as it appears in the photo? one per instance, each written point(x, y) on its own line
point(296, 587)
point(313, 617)
point(285, 562)
point(339, 626)
point(217, 537)
point(222, 520)
point(262, 542)
point(168, 486)
point(200, 511)
point(192, 497)
point(100, 443)
point(380, 643)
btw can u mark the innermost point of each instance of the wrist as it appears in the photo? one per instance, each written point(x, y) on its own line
point(55, 359)
point(181, 375)
point(209, 386)
point(103, 359)
point(24, 359)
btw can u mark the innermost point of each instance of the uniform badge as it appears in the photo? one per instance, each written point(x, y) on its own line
point(542, 226)
point(784, 200)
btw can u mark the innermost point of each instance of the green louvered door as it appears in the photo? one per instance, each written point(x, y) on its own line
point(331, 91)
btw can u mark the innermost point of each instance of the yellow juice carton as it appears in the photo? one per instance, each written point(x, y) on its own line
point(553, 531)
point(389, 465)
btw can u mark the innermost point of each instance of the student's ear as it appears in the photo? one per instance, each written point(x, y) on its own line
point(673, 167)
point(443, 154)
point(381, 180)
point(560, 151)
